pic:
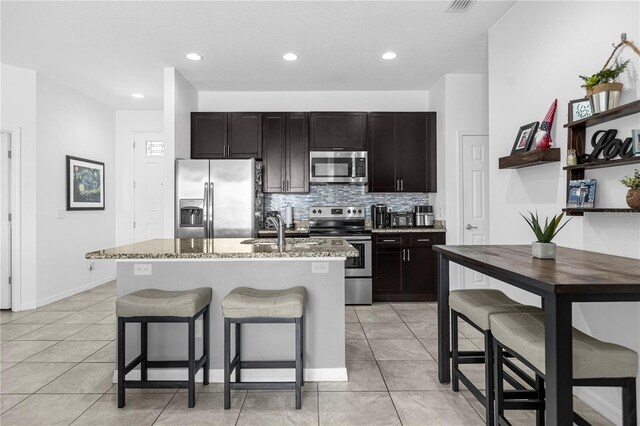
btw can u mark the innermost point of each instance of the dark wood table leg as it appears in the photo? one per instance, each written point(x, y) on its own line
point(558, 359)
point(444, 369)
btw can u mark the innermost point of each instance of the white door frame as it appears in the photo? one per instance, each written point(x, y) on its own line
point(132, 197)
point(459, 225)
point(16, 216)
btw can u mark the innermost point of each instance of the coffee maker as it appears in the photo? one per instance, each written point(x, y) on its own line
point(379, 216)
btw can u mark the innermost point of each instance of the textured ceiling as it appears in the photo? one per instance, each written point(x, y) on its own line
point(112, 49)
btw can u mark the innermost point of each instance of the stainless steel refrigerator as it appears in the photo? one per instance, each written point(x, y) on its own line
point(218, 198)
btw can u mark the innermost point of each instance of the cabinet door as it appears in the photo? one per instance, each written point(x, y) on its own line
point(382, 164)
point(420, 268)
point(388, 265)
point(338, 130)
point(274, 142)
point(411, 151)
point(208, 134)
point(297, 152)
point(245, 135)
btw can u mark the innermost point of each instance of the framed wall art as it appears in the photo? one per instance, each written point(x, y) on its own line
point(524, 140)
point(579, 109)
point(582, 193)
point(85, 184)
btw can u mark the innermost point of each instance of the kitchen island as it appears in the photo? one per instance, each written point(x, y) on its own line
point(227, 263)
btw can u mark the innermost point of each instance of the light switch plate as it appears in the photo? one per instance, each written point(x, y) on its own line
point(61, 213)
point(319, 268)
point(142, 269)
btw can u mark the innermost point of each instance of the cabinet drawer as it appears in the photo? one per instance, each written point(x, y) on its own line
point(426, 239)
point(388, 240)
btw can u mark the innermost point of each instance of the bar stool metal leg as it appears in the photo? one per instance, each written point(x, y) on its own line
point(498, 381)
point(540, 395)
point(238, 351)
point(629, 407)
point(121, 361)
point(144, 350)
point(302, 348)
point(227, 373)
point(192, 362)
point(455, 383)
point(488, 378)
point(206, 326)
point(298, 363)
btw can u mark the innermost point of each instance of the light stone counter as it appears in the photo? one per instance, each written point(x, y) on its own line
point(402, 230)
point(229, 248)
point(225, 264)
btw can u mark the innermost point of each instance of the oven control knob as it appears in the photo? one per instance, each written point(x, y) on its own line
point(349, 211)
point(359, 210)
point(320, 211)
point(314, 210)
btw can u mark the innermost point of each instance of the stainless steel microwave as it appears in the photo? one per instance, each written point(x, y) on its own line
point(338, 167)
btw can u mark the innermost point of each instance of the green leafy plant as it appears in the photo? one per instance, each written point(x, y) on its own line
point(606, 75)
point(551, 227)
point(632, 182)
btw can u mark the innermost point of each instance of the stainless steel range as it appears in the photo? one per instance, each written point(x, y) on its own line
point(348, 223)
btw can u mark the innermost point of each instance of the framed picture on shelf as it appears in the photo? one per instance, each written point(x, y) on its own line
point(85, 184)
point(579, 109)
point(635, 142)
point(524, 140)
point(582, 193)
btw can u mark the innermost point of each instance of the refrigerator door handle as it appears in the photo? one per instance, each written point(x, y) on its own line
point(211, 210)
point(206, 210)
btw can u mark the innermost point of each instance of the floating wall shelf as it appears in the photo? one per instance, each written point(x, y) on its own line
point(529, 158)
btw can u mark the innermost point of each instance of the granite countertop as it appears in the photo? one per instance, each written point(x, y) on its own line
point(398, 230)
point(290, 231)
point(231, 248)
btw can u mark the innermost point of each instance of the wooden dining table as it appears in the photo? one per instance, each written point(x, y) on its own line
point(574, 276)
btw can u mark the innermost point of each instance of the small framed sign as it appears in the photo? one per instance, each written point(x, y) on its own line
point(524, 140)
point(635, 142)
point(579, 109)
point(85, 184)
point(582, 193)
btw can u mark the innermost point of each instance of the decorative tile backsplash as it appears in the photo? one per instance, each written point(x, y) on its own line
point(341, 195)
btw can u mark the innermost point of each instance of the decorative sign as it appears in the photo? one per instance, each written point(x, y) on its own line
point(605, 144)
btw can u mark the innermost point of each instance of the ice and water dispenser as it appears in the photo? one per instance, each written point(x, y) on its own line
point(192, 212)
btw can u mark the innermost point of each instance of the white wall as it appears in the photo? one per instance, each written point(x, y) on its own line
point(70, 123)
point(314, 101)
point(127, 123)
point(531, 64)
point(180, 99)
point(18, 110)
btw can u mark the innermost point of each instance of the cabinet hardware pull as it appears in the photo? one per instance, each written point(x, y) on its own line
point(408, 255)
point(403, 255)
point(401, 184)
point(338, 149)
point(423, 239)
point(397, 185)
point(389, 241)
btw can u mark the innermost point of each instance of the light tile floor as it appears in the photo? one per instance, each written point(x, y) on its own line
point(57, 362)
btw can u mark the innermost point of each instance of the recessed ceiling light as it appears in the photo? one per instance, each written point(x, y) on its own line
point(389, 56)
point(137, 95)
point(193, 56)
point(290, 57)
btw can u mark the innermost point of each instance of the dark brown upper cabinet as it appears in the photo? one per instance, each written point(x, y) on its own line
point(402, 152)
point(338, 131)
point(226, 135)
point(286, 152)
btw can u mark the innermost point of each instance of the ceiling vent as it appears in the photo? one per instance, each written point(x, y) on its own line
point(459, 6)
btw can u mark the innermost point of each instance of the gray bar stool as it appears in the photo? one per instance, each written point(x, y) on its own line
point(475, 306)
point(595, 363)
point(251, 306)
point(153, 305)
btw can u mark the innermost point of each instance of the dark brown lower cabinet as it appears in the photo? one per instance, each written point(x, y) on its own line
point(404, 266)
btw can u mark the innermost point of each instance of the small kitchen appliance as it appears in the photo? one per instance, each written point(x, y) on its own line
point(401, 220)
point(423, 217)
point(379, 216)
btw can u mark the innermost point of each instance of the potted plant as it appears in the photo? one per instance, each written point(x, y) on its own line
point(633, 195)
point(543, 248)
point(603, 87)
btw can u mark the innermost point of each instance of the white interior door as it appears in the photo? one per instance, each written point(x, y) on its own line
point(148, 185)
point(475, 199)
point(5, 223)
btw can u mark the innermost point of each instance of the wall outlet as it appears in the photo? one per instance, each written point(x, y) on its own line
point(319, 268)
point(198, 327)
point(142, 269)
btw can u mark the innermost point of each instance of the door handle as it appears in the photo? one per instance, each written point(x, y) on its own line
point(206, 210)
point(211, 212)
point(469, 227)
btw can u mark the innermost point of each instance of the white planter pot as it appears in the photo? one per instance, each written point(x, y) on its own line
point(543, 250)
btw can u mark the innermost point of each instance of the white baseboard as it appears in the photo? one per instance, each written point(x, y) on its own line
point(74, 291)
point(599, 404)
point(257, 375)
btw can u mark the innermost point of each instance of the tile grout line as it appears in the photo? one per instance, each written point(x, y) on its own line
point(163, 408)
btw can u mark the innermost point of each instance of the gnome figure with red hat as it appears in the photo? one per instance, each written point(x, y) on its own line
point(543, 135)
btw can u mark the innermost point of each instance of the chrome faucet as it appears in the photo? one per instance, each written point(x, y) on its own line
point(278, 222)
